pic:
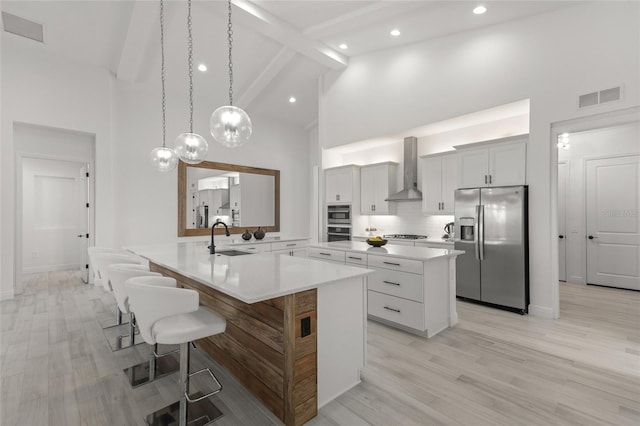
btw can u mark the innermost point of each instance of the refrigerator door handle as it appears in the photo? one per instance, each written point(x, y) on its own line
point(481, 231)
point(476, 236)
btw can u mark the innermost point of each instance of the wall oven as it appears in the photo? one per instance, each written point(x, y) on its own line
point(338, 233)
point(339, 223)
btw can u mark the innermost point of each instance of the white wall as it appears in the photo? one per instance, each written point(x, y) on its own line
point(620, 140)
point(46, 90)
point(146, 204)
point(549, 59)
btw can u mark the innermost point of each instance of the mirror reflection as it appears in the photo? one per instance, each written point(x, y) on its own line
point(242, 197)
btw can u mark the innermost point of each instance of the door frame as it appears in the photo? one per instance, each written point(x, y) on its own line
point(589, 122)
point(567, 164)
point(18, 240)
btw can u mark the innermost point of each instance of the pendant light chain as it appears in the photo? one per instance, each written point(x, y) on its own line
point(230, 38)
point(190, 56)
point(162, 77)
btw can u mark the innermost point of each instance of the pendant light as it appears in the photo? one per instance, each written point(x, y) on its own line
point(191, 147)
point(164, 159)
point(230, 125)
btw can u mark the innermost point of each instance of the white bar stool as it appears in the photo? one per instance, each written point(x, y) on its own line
point(117, 274)
point(171, 316)
point(91, 251)
point(159, 365)
point(102, 261)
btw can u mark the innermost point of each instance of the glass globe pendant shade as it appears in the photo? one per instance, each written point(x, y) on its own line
point(230, 126)
point(164, 159)
point(191, 148)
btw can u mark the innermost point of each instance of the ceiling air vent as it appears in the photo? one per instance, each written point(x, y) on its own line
point(22, 27)
point(595, 98)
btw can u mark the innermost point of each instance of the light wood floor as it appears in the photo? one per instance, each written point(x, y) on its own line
point(493, 368)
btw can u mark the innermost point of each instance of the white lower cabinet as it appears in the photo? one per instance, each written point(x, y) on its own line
point(396, 309)
point(327, 254)
point(296, 252)
point(400, 284)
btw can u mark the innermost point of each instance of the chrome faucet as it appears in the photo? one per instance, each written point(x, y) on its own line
point(212, 247)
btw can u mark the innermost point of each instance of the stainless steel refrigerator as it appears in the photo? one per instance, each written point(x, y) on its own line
point(491, 226)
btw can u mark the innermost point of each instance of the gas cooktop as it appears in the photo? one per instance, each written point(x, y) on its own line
point(405, 236)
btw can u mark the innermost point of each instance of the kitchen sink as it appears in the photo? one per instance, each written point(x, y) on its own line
point(232, 252)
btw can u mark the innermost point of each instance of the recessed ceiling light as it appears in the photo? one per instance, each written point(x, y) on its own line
point(343, 46)
point(292, 100)
point(202, 67)
point(395, 32)
point(479, 10)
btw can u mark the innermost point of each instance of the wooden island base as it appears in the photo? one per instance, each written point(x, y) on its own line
point(264, 349)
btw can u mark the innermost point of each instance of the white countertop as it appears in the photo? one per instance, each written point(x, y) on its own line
point(223, 241)
point(420, 240)
point(393, 250)
point(249, 278)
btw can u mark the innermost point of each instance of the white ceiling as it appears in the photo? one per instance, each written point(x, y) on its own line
point(280, 47)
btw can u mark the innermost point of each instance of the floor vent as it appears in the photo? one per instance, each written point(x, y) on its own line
point(22, 27)
point(595, 98)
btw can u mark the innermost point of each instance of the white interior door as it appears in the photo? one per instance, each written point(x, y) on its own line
point(613, 221)
point(562, 234)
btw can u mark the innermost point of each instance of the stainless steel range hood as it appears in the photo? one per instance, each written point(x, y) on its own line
point(410, 180)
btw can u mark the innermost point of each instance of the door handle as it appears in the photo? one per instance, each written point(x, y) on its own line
point(591, 237)
point(561, 236)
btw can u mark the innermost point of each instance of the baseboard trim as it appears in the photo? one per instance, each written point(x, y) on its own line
point(6, 295)
point(540, 311)
point(50, 268)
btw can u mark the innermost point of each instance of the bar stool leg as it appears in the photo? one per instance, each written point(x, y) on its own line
point(184, 381)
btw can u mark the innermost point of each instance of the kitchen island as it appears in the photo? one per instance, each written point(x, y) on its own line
point(413, 288)
point(295, 334)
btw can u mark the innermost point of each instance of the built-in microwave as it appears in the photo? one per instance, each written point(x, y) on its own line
point(339, 214)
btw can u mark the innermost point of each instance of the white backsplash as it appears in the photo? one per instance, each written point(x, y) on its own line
point(408, 219)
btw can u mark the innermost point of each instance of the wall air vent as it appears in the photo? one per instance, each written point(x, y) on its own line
point(610, 95)
point(595, 98)
point(22, 27)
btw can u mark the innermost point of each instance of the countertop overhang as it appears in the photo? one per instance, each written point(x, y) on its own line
point(393, 250)
point(249, 278)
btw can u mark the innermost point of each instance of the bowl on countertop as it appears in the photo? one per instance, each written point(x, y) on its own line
point(376, 243)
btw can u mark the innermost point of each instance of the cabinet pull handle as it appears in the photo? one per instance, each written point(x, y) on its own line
point(391, 263)
point(353, 257)
point(443, 205)
point(337, 197)
point(392, 309)
point(391, 283)
point(489, 178)
point(251, 248)
point(291, 245)
point(325, 254)
point(485, 179)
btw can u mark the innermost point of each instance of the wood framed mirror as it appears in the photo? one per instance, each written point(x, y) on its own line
point(242, 197)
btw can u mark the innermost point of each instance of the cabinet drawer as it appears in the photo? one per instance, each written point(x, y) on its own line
point(296, 252)
point(396, 264)
point(396, 283)
point(356, 258)
point(401, 311)
point(288, 245)
point(327, 254)
point(255, 248)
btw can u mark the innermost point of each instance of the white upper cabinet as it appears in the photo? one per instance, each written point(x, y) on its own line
point(439, 182)
point(377, 182)
point(339, 183)
point(494, 164)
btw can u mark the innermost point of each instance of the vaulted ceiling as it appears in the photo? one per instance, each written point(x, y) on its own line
point(281, 48)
